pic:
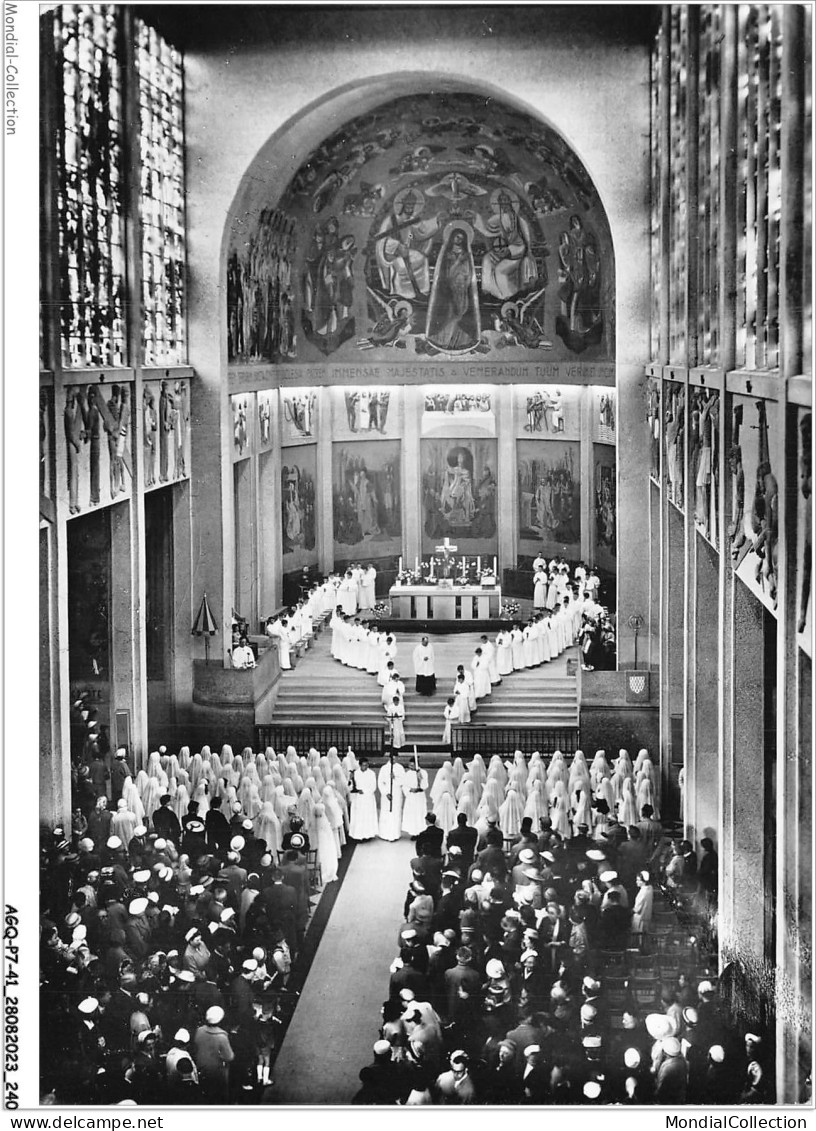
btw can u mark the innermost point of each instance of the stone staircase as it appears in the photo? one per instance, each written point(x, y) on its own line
point(321, 690)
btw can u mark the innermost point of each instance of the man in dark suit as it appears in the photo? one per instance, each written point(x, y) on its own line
point(165, 822)
point(280, 903)
point(613, 927)
point(491, 858)
point(464, 836)
point(462, 976)
point(296, 875)
point(429, 841)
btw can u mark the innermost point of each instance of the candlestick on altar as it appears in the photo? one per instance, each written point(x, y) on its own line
point(494, 568)
point(464, 567)
point(479, 565)
point(416, 565)
point(430, 575)
point(400, 565)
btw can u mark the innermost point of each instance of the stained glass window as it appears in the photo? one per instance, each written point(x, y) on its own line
point(807, 234)
point(89, 201)
point(679, 52)
point(709, 185)
point(758, 223)
point(161, 199)
point(654, 229)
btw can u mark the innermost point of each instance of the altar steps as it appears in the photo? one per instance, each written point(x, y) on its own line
point(320, 690)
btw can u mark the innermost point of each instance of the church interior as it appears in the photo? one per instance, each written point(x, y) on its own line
point(502, 313)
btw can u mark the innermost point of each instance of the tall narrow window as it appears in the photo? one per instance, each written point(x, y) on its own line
point(89, 200)
point(654, 225)
point(161, 198)
point(679, 53)
point(708, 184)
point(807, 233)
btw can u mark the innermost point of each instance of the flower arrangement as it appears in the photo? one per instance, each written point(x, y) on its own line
point(510, 610)
point(381, 610)
point(409, 577)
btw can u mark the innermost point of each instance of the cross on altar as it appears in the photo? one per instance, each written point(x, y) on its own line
point(446, 549)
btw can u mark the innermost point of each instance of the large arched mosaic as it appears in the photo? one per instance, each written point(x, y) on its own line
point(440, 225)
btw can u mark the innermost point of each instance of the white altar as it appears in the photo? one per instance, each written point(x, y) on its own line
point(445, 602)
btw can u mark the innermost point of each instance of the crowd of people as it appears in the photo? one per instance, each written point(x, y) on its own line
point(595, 631)
point(174, 908)
point(529, 968)
point(172, 911)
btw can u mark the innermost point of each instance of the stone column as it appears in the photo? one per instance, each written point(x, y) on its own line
point(411, 477)
point(325, 499)
point(587, 465)
point(507, 480)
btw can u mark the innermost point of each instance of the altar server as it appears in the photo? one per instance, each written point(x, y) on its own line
point(390, 781)
point(363, 823)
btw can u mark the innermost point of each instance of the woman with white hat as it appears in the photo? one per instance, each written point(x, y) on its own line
point(213, 1056)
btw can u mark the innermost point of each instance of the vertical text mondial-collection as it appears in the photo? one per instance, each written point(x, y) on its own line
point(12, 71)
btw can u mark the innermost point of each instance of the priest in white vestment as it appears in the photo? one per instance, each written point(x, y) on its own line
point(389, 782)
point(366, 586)
point(363, 820)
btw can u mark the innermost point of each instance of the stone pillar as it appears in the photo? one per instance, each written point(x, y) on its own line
point(702, 742)
point(587, 475)
point(411, 477)
point(125, 642)
point(325, 499)
point(507, 480)
point(270, 539)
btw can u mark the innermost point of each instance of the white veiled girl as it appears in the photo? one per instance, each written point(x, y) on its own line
point(511, 813)
point(327, 855)
point(442, 781)
point(478, 771)
point(445, 810)
point(180, 801)
point(268, 828)
point(184, 758)
point(335, 815)
point(134, 802)
point(536, 806)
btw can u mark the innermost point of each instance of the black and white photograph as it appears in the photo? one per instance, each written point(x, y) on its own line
point(424, 561)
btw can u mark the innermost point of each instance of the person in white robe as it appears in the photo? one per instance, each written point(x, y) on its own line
point(643, 907)
point(481, 675)
point(123, 822)
point(445, 810)
point(324, 841)
point(363, 823)
point(395, 686)
point(504, 653)
point(528, 647)
point(278, 630)
point(469, 682)
point(517, 648)
point(395, 714)
point(373, 652)
point(489, 653)
point(540, 562)
point(389, 782)
point(388, 652)
point(425, 667)
point(366, 587)
point(415, 806)
point(462, 699)
point(539, 590)
point(347, 594)
point(451, 715)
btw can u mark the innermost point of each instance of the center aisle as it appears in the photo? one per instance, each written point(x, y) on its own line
point(331, 1034)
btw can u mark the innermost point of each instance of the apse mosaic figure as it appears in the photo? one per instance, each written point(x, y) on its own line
point(366, 499)
point(260, 316)
point(297, 508)
point(327, 295)
point(674, 439)
point(549, 492)
point(459, 489)
point(580, 323)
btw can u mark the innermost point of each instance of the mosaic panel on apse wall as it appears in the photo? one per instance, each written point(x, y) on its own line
point(298, 505)
point(549, 493)
point(442, 225)
point(366, 499)
point(459, 489)
point(605, 506)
